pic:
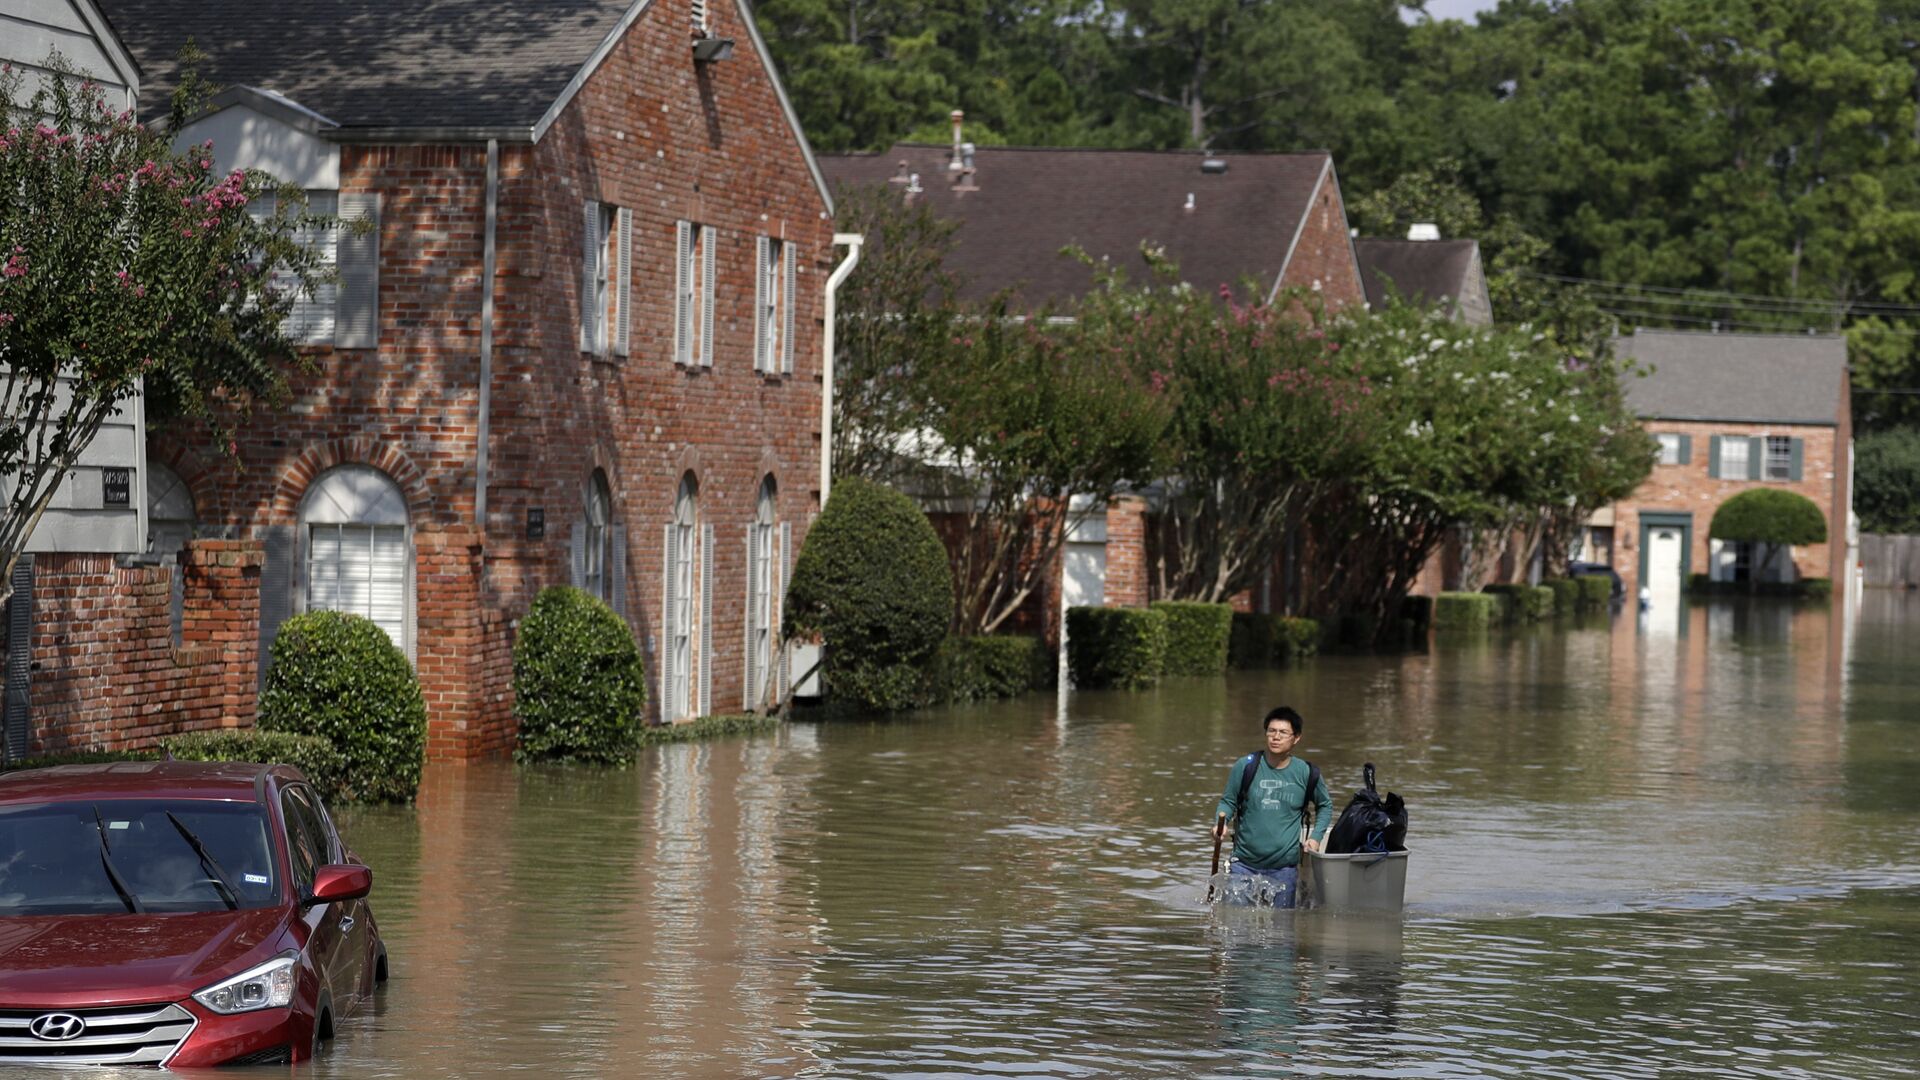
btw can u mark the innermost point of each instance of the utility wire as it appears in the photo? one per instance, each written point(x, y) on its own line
point(1869, 306)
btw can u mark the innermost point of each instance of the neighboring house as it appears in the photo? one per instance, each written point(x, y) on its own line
point(1273, 220)
point(1419, 271)
point(96, 516)
point(1731, 412)
point(577, 344)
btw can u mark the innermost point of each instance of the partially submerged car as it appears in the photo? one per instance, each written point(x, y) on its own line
point(177, 914)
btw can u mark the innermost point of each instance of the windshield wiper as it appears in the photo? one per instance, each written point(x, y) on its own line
point(207, 860)
point(113, 874)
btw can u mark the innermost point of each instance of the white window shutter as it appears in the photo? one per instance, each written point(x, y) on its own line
point(780, 606)
point(760, 245)
point(786, 307)
point(668, 632)
point(709, 240)
point(706, 620)
point(622, 273)
point(752, 680)
point(683, 293)
point(356, 323)
point(591, 242)
point(617, 572)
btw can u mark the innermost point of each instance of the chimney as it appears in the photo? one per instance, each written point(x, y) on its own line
point(954, 165)
point(900, 174)
point(1425, 230)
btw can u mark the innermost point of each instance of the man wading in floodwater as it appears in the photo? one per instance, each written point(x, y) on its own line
point(1265, 806)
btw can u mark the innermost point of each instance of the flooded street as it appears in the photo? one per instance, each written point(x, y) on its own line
point(1638, 849)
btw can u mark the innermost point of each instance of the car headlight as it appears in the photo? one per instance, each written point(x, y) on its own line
point(268, 986)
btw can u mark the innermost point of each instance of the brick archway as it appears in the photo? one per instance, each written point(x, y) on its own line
point(317, 458)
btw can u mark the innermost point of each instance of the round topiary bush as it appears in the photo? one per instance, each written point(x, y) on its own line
point(316, 759)
point(1770, 516)
point(341, 678)
point(579, 690)
point(872, 581)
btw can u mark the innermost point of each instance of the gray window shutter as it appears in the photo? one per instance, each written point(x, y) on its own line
point(752, 654)
point(591, 243)
point(668, 712)
point(356, 321)
point(276, 590)
point(617, 571)
point(18, 703)
point(1686, 449)
point(705, 703)
point(1799, 453)
point(760, 246)
point(1713, 457)
point(1756, 457)
point(786, 308)
point(682, 293)
point(622, 274)
point(709, 241)
point(577, 554)
point(176, 599)
point(780, 610)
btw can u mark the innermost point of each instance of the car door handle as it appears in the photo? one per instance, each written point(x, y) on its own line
point(346, 924)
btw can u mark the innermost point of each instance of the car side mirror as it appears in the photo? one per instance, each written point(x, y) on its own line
point(340, 882)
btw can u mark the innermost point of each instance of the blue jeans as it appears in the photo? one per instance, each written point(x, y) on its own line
point(1250, 887)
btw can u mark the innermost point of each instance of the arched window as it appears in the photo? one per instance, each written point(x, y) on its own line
point(762, 558)
point(170, 512)
point(680, 610)
point(596, 547)
point(353, 522)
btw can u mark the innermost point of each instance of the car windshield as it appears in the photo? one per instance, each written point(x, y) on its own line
point(51, 857)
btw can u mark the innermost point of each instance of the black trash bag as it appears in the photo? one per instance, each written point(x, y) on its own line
point(1369, 823)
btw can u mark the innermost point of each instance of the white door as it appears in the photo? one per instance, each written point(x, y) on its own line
point(1664, 551)
point(1086, 576)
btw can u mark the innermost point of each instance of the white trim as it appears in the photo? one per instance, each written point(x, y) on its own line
point(115, 49)
point(1300, 230)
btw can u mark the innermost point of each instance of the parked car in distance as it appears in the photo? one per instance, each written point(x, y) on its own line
point(1577, 568)
point(178, 914)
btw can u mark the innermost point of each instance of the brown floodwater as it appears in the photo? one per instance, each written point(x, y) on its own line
point(1640, 847)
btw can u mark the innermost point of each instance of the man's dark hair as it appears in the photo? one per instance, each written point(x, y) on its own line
point(1285, 712)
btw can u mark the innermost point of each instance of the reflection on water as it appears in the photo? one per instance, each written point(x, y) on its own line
point(1635, 852)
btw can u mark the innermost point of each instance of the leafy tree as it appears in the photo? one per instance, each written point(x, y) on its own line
point(1771, 517)
point(126, 266)
point(1887, 481)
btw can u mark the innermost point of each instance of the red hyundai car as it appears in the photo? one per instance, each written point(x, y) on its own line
point(176, 913)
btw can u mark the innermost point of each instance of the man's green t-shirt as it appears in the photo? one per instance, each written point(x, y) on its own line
point(1267, 836)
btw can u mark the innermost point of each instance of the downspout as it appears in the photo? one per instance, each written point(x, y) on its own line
point(852, 242)
point(486, 340)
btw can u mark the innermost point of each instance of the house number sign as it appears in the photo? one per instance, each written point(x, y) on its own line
point(116, 487)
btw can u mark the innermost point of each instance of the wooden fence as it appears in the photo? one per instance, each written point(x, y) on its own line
point(1890, 561)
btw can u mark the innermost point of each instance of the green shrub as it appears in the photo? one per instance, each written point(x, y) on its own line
point(1298, 637)
point(1523, 603)
point(1814, 588)
point(1769, 516)
point(78, 757)
point(1537, 602)
point(872, 580)
point(1120, 647)
point(707, 727)
point(1253, 641)
point(1464, 610)
point(1566, 595)
point(1197, 636)
point(983, 668)
point(340, 678)
point(315, 757)
point(1886, 473)
point(1596, 591)
point(579, 689)
point(1506, 606)
point(1419, 611)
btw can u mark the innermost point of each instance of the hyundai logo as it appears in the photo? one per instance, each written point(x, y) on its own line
point(57, 1027)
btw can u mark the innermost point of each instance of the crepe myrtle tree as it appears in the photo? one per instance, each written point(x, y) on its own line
point(127, 266)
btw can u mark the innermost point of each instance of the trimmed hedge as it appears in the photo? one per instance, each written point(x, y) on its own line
point(983, 668)
point(1808, 588)
point(1566, 595)
point(1118, 647)
point(1464, 610)
point(1524, 603)
point(1507, 604)
point(1197, 636)
point(1596, 590)
point(1262, 641)
point(340, 678)
point(1299, 637)
point(872, 580)
point(579, 690)
point(324, 766)
point(1537, 602)
point(1769, 516)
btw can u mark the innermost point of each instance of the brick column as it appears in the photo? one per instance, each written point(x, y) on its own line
point(1126, 584)
point(450, 649)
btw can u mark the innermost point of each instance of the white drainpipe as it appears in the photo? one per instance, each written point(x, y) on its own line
point(852, 242)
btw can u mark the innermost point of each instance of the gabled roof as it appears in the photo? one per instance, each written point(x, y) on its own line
point(1420, 271)
point(1029, 203)
point(1749, 378)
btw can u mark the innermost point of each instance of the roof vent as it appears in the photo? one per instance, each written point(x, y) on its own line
point(1213, 165)
point(1425, 230)
point(1189, 200)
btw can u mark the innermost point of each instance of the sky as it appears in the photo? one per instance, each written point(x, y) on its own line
point(1458, 9)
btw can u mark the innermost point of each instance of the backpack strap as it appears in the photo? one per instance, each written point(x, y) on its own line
point(1306, 808)
point(1252, 763)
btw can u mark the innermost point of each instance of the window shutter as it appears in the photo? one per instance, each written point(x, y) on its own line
point(780, 610)
point(356, 323)
point(18, 703)
point(623, 272)
point(577, 554)
point(1713, 457)
point(1686, 449)
point(760, 258)
point(705, 704)
point(683, 293)
point(1756, 457)
point(591, 243)
point(786, 308)
point(709, 240)
point(276, 591)
point(752, 679)
point(668, 712)
point(617, 571)
point(1799, 453)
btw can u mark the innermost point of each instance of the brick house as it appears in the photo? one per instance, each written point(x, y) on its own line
point(579, 343)
point(1276, 220)
point(1424, 269)
point(1732, 412)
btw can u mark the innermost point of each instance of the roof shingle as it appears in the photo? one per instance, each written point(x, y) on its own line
point(1753, 378)
point(1420, 271)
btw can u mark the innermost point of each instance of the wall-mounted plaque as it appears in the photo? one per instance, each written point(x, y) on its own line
point(116, 487)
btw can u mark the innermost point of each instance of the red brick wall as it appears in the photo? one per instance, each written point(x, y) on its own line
point(1126, 584)
point(1323, 256)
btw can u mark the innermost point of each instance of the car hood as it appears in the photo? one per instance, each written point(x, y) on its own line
point(72, 961)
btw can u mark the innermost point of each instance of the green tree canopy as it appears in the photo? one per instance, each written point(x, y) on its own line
point(1769, 516)
point(1887, 481)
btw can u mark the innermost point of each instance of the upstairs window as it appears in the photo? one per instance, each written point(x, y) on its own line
point(606, 263)
point(1669, 449)
point(773, 307)
point(693, 294)
point(1733, 458)
point(1779, 457)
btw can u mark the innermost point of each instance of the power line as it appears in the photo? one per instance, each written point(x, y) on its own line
point(1843, 307)
point(1656, 317)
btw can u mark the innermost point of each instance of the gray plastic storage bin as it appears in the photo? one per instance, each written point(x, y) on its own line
point(1362, 881)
